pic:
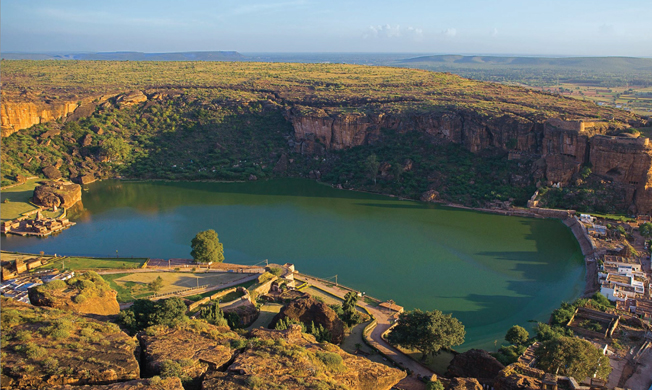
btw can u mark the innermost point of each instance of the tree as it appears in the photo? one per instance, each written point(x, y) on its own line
point(206, 247)
point(349, 312)
point(371, 166)
point(156, 284)
point(427, 332)
point(645, 229)
point(213, 314)
point(115, 149)
point(145, 313)
point(574, 357)
point(517, 335)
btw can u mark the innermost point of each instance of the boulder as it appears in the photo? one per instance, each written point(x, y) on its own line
point(197, 344)
point(307, 310)
point(131, 98)
point(87, 140)
point(282, 164)
point(51, 172)
point(86, 179)
point(52, 194)
point(475, 363)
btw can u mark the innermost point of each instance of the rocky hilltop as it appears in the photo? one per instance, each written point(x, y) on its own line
point(84, 294)
point(44, 347)
point(237, 121)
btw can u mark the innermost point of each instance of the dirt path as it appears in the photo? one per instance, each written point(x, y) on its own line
point(383, 325)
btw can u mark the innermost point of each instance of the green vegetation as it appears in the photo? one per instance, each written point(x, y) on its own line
point(87, 285)
point(15, 200)
point(95, 263)
point(571, 356)
point(145, 313)
point(519, 338)
point(321, 334)
point(427, 332)
point(206, 247)
point(156, 284)
point(645, 229)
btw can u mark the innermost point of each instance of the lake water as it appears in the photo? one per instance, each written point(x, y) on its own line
point(490, 271)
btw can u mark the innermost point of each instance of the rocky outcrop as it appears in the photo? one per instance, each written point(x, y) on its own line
point(131, 98)
point(195, 346)
point(475, 363)
point(172, 383)
point(84, 294)
point(292, 360)
point(51, 172)
point(307, 310)
point(464, 384)
point(43, 348)
point(57, 194)
point(519, 377)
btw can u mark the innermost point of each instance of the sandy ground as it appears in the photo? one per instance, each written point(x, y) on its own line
point(642, 378)
point(173, 281)
point(267, 313)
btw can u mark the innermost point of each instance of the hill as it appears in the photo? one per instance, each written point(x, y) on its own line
point(391, 130)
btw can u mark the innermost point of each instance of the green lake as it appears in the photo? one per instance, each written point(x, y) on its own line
point(490, 271)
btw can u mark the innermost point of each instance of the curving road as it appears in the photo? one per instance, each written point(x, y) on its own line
point(375, 337)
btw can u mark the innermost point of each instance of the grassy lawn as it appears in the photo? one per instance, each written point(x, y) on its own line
point(267, 313)
point(87, 263)
point(131, 286)
point(18, 200)
point(614, 217)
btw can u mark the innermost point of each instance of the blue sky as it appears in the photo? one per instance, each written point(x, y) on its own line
point(549, 27)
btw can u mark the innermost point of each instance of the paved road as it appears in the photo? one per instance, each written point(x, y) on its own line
point(383, 320)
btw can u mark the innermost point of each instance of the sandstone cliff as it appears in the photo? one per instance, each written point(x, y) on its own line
point(44, 348)
point(475, 363)
point(22, 112)
point(139, 384)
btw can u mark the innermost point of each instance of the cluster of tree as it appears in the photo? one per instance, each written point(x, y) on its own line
point(213, 314)
point(427, 331)
point(519, 339)
point(145, 313)
point(347, 310)
point(321, 334)
point(156, 284)
point(207, 248)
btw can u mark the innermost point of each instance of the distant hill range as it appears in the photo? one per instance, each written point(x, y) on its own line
point(644, 64)
point(130, 56)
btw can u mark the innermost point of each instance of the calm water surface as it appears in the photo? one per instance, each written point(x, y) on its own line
point(491, 271)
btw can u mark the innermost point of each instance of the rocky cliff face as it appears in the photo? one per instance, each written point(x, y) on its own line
point(475, 363)
point(563, 147)
point(336, 130)
point(24, 112)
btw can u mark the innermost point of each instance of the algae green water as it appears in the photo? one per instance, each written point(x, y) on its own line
point(490, 271)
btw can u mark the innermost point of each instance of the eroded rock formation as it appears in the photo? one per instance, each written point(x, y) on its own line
point(293, 360)
point(57, 194)
point(475, 363)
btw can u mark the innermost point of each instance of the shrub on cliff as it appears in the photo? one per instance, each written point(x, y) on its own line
point(207, 248)
point(145, 313)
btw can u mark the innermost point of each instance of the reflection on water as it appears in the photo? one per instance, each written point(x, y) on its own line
point(491, 271)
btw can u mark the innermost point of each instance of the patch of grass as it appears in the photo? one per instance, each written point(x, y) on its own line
point(89, 263)
point(18, 203)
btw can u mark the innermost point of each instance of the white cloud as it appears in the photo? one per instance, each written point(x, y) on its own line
point(494, 32)
point(390, 32)
point(450, 32)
